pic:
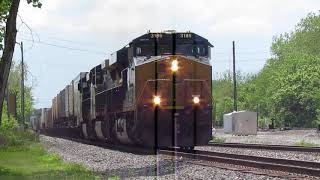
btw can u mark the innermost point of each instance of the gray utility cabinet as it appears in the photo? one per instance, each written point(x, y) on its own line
point(240, 123)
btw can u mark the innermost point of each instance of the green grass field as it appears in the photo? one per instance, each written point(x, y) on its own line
point(22, 157)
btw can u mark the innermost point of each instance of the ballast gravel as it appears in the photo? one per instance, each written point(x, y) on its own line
point(276, 137)
point(132, 166)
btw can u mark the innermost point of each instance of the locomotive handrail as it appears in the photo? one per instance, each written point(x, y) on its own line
point(145, 84)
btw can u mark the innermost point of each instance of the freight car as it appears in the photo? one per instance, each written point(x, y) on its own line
point(156, 91)
point(41, 119)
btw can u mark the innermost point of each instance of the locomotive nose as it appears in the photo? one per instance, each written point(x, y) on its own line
point(175, 101)
point(182, 85)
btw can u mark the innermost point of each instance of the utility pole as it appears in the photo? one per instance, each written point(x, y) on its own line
point(235, 107)
point(22, 121)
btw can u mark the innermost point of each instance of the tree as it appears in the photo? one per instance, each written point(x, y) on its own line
point(222, 91)
point(14, 88)
point(222, 97)
point(9, 12)
point(288, 87)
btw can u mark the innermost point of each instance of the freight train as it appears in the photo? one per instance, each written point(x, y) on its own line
point(154, 92)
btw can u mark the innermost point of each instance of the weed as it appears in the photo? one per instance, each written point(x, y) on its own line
point(218, 139)
point(306, 144)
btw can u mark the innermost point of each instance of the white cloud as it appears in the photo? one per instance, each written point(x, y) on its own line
point(119, 16)
point(110, 24)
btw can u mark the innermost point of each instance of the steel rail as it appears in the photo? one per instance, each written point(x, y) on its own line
point(267, 147)
point(285, 165)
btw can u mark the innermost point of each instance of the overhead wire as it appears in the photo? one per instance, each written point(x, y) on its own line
point(66, 47)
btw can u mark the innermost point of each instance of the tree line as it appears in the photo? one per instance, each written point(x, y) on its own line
point(287, 89)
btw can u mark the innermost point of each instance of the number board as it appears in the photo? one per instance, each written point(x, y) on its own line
point(180, 35)
point(185, 35)
point(156, 35)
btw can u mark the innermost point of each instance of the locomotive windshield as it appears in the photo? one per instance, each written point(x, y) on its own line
point(160, 44)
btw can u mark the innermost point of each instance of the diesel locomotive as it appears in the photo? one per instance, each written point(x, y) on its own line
point(154, 92)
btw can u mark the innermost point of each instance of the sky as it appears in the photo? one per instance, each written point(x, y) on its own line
point(64, 38)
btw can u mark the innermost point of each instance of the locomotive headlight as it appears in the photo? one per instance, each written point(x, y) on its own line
point(174, 66)
point(196, 100)
point(157, 100)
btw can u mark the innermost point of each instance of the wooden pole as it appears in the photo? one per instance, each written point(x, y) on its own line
point(22, 86)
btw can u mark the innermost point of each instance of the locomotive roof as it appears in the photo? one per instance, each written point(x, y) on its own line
point(180, 35)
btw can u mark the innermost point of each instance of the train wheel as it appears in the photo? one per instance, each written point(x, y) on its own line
point(99, 125)
point(91, 130)
point(84, 131)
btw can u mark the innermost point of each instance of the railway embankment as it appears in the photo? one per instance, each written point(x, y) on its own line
point(138, 166)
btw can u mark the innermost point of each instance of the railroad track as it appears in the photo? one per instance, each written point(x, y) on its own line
point(284, 165)
point(267, 147)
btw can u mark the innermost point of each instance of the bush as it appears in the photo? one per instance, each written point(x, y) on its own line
point(14, 137)
point(8, 123)
point(218, 139)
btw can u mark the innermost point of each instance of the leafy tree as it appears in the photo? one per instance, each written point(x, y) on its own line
point(222, 91)
point(288, 87)
point(222, 97)
point(8, 16)
point(14, 88)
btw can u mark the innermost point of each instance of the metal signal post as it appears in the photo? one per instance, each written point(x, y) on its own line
point(235, 107)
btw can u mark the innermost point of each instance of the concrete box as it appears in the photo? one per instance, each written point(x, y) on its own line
point(245, 123)
point(227, 123)
point(240, 123)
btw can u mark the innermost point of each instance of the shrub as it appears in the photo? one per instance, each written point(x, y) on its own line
point(218, 139)
point(14, 137)
point(306, 144)
point(9, 123)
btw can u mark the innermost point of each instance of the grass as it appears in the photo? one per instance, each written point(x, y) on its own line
point(218, 139)
point(306, 144)
point(22, 157)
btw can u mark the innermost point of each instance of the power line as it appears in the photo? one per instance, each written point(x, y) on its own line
point(66, 47)
point(61, 39)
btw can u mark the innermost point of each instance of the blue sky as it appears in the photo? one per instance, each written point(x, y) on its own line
point(75, 35)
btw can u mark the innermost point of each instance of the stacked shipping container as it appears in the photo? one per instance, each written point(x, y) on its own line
point(66, 106)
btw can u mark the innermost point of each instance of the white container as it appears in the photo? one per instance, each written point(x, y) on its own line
point(245, 123)
point(240, 123)
point(227, 123)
